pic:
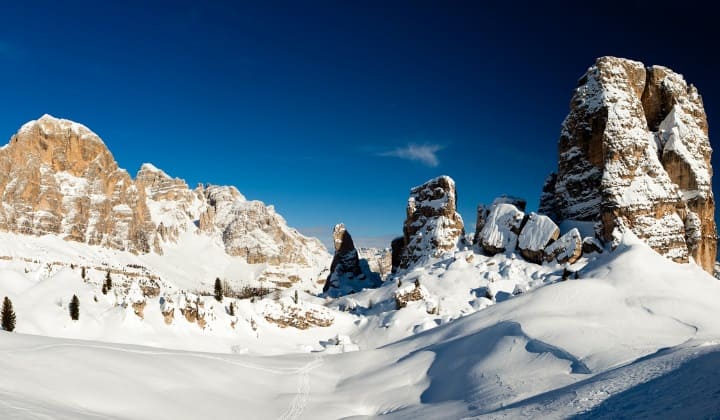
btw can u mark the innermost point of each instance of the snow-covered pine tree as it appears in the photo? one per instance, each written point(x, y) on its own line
point(8, 315)
point(108, 281)
point(74, 308)
point(218, 290)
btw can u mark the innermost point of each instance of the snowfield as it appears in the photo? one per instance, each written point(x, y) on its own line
point(632, 334)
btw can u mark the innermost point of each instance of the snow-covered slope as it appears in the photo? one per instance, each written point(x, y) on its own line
point(588, 345)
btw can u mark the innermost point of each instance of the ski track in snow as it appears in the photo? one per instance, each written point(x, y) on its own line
point(582, 397)
point(299, 401)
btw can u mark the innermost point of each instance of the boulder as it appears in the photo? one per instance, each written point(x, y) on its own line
point(536, 234)
point(590, 245)
point(501, 229)
point(566, 249)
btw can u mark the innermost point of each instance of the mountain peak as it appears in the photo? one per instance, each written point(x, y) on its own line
point(149, 167)
point(48, 124)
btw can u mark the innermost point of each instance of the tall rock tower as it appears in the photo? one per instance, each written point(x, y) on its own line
point(433, 226)
point(634, 154)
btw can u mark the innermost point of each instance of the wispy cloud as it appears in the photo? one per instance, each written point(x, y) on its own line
point(425, 153)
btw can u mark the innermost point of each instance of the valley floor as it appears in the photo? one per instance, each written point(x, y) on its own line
point(51, 378)
point(634, 336)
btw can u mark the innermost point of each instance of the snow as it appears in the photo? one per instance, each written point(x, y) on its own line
point(634, 324)
point(498, 232)
point(80, 130)
point(674, 134)
point(152, 168)
point(566, 245)
point(538, 231)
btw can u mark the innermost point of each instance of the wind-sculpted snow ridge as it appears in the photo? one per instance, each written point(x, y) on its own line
point(634, 154)
point(638, 322)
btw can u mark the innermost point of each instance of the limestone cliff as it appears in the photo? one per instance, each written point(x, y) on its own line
point(58, 177)
point(634, 154)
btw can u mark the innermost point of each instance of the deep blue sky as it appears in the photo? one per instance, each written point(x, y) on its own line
point(305, 105)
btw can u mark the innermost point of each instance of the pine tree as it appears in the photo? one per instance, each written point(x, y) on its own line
point(108, 281)
point(8, 315)
point(82, 272)
point(104, 289)
point(74, 308)
point(218, 290)
point(296, 297)
point(231, 310)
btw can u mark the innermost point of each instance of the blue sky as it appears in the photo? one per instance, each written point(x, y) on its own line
point(332, 111)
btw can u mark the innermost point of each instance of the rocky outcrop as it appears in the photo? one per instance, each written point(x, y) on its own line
point(254, 231)
point(286, 313)
point(57, 177)
point(345, 262)
point(169, 200)
point(415, 293)
point(397, 246)
point(483, 212)
point(591, 245)
point(634, 155)
point(348, 273)
point(433, 226)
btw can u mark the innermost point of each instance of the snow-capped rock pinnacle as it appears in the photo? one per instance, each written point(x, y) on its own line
point(634, 154)
point(348, 272)
point(346, 262)
point(433, 226)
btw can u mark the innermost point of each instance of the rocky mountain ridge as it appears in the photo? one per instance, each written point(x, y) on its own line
point(58, 177)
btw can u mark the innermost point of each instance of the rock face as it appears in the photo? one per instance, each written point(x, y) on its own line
point(433, 227)
point(397, 246)
point(169, 200)
point(345, 262)
point(58, 177)
point(378, 260)
point(634, 154)
point(254, 231)
point(348, 273)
